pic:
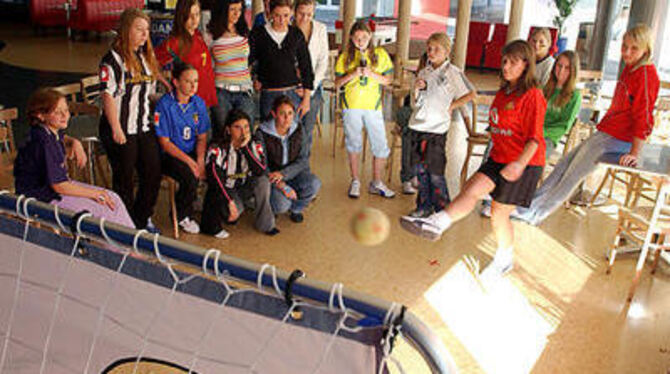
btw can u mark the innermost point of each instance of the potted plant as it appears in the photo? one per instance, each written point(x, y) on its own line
point(565, 8)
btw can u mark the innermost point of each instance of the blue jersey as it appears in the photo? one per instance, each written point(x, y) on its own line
point(181, 123)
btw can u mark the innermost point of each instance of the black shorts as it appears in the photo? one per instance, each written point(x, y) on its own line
point(520, 192)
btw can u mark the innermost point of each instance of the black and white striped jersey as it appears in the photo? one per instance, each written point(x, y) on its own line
point(130, 93)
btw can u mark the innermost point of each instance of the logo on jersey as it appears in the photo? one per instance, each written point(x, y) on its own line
point(195, 118)
point(157, 118)
point(104, 74)
point(493, 115)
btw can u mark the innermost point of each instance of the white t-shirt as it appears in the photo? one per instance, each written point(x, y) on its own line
point(277, 36)
point(443, 85)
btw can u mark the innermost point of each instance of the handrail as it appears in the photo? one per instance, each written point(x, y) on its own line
point(419, 335)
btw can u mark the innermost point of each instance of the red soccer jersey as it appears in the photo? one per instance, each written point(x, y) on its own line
point(514, 120)
point(198, 57)
point(631, 112)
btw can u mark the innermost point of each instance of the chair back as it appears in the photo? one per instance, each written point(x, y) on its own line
point(71, 91)
point(6, 131)
point(478, 115)
point(90, 89)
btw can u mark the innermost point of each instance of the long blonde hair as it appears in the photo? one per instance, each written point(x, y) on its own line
point(641, 35)
point(569, 86)
point(122, 44)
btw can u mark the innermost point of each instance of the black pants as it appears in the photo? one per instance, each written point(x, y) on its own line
point(188, 184)
point(139, 153)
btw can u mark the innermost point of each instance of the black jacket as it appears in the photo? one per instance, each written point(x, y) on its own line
point(298, 160)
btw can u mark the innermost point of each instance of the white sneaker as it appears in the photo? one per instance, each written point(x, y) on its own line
point(427, 228)
point(151, 227)
point(379, 188)
point(486, 209)
point(355, 189)
point(503, 263)
point(190, 226)
point(408, 188)
point(222, 234)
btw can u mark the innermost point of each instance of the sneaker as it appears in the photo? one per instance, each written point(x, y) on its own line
point(189, 225)
point(151, 227)
point(426, 228)
point(500, 266)
point(272, 232)
point(379, 188)
point(296, 217)
point(408, 188)
point(222, 234)
point(420, 213)
point(355, 189)
point(415, 182)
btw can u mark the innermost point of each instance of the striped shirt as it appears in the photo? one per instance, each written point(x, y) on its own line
point(130, 93)
point(231, 61)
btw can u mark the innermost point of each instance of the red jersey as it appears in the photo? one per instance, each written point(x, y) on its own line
point(514, 120)
point(198, 57)
point(631, 112)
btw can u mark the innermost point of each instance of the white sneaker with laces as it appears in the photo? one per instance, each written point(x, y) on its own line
point(379, 188)
point(355, 189)
point(189, 225)
point(408, 188)
point(222, 234)
point(428, 228)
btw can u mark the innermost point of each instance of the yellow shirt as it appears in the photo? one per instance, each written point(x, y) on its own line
point(365, 93)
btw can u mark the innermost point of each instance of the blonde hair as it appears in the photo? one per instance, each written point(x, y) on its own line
point(440, 39)
point(122, 44)
point(641, 36)
point(569, 86)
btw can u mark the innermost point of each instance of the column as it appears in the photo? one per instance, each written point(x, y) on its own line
point(348, 17)
point(462, 29)
point(605, 13)
point(515, 20)
point(256, 7)
point(652, 13)
point(402, 37)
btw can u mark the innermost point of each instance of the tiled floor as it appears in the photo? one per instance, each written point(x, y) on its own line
point(557, 312)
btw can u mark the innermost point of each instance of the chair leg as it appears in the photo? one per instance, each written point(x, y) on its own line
point(657, 253)
point(335, 126)
point(173, 208)
point(613, 250)
point(600, 187)
point(365, 143)
point(466, 163)
point(638, 269)
point(389, 162)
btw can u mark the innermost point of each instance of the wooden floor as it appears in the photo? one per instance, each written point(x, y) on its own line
point(556, 312)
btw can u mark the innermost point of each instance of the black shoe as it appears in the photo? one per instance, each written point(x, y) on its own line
point(272, 232)
point(296, 217)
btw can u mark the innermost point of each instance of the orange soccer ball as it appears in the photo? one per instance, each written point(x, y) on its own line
point(370, 226)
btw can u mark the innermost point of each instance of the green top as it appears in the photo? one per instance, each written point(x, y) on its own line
point(558, 120)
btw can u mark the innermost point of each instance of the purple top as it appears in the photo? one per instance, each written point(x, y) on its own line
point(40, 164)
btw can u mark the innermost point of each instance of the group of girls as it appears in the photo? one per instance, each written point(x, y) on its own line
point(523, 120)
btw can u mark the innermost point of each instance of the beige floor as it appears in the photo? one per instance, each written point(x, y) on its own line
point(557, 312)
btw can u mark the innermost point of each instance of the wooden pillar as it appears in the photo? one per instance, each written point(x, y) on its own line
point(462, 30)
point(515, 19)
point(256, 7)
point(402, 37)
point(348, 17)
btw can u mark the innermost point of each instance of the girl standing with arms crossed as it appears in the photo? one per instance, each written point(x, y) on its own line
point(128, 74)
point(363, 69)
point(511, 173)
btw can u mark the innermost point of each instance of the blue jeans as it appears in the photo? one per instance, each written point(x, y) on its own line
point(232, 100)
point(570, 171)
point(309, 119)
point(306, 186)
point(433, 195)
point(268, 97)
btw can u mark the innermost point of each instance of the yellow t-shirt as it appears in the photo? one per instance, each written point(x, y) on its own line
point(368, 93)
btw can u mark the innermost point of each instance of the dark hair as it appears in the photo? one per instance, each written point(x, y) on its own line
point(222, 137)
point(282, 100)
point(219, 22)
point(181, 15)
point(522, 50)
point(179, 68)
point(42, 101)
point(351, 48)
point(277, 3)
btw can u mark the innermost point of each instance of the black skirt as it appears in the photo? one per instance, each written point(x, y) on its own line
point(519, 192)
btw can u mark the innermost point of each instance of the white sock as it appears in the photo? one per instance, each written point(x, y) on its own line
point(442, 220)
point(504, 255)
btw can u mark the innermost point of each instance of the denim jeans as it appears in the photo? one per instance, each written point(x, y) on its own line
point(570, 171)
point(309, 120)
point(306, 186)
point(232, 100)
point(433, 195)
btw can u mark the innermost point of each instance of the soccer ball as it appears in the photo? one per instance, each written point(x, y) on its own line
point(370, 226)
